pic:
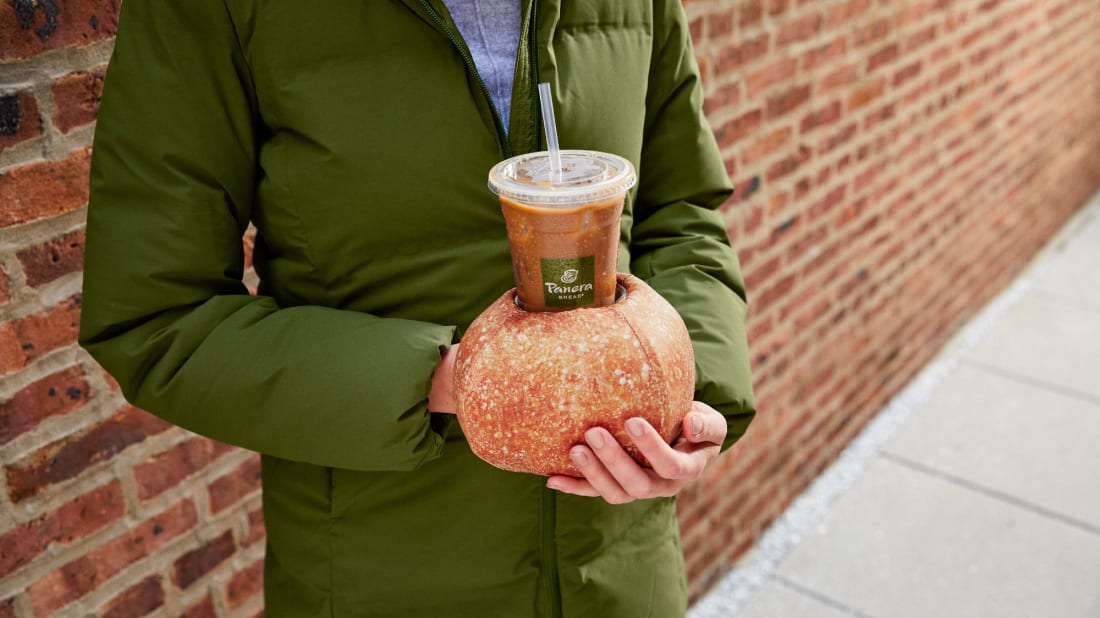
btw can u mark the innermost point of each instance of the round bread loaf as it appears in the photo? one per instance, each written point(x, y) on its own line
point(528, 385)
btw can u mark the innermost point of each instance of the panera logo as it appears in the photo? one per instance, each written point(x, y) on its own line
point(569, 282)
point(554, 288)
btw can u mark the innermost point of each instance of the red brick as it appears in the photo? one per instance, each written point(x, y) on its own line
point(867, 93)
point(948, 73)
point(70, 456)
point(838, 139)
point(733, 131)
point(244, 585)
point(720, 23)
point(733, 57)
point(235, 485)
point(19, 118)
point(772, 294)
point(758, 328)
point(44, 189)
point(188, 568)
point(12, 356)
point(256, 527)
point(28, 339)
point(824, 54)
point(58, 393)
point(845, 12)
point(164, 471)
point(46, 262)
point(73, 23)
point(842, 76)
point(761, 273)
point(696, 30)
point(802, 245)
point(7, 608)
point(76, 97)
point(73, 520)
point(202, 609)
point(788, 165)
point(911, 14)
point(883, 56)
point(752, 13)
point(766, 145)
point(784, 102)
point(874, 31)
point(907, 73)
point(825, 204)
point(753, 219)
point(746, 188)
point(799, 29)
point(772, 74)
point(79, 577)
point(726, 97)
point(920, 39)
point(821, 117)
point(878, 116)
point(777, 7)
point(139, 600)
point(973, 36)
point(786, 228)
point(5, 289)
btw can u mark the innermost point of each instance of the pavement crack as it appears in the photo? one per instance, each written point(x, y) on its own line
point(1065, 300)
point(1033, 381)
point(819, 597)
point(992, 493)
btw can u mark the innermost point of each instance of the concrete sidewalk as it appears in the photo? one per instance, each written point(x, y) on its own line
point(976, 493)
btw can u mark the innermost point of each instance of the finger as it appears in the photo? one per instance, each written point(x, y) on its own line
point(597, 475)
point(704, 424)
point(667, 462)
point(636, 481)
point(699, 455)
point(571, 485)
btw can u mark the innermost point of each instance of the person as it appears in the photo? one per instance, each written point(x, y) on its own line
point(356, 137)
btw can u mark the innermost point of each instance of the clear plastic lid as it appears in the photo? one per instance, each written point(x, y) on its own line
point(586, 176)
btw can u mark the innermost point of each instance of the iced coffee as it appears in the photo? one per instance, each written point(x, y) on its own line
point(563, 226)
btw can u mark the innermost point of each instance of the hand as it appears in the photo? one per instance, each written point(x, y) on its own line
point(611, 473)
point(441, 398)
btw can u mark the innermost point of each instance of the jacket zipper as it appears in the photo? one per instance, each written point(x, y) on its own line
point(548, 547)
point(502, 136)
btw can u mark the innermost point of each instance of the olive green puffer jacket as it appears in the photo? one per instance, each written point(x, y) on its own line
point(356, 135)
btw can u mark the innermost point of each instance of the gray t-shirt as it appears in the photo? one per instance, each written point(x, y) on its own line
point(491, 31)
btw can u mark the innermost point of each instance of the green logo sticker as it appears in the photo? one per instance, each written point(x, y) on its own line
point(569, 282)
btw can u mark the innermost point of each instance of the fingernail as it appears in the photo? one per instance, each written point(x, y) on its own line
point(636, 427)
point(553, 484)
point(696, 425)
point(595, 438)
point(579, 457)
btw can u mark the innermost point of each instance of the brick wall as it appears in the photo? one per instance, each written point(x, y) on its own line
point(897, 162)
point(104, 509)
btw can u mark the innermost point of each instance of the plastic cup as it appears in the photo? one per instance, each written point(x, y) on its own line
point(563, 229)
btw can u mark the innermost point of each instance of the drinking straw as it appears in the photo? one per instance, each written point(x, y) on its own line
point(551, 129)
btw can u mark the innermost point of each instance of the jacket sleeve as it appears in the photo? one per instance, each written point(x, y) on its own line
point(174, 168)
point(678, 240)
